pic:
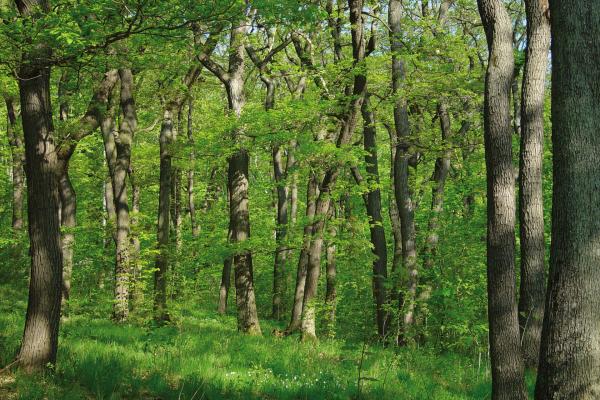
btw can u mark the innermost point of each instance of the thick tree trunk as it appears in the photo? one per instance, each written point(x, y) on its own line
point(17, 153)
point(167, 137)
point(40, 337)
point(402, 191)
point(507, 363)
point(123, 141)
point(312, 192)
point(531, 202)
point(373, 204)
point(570, 349)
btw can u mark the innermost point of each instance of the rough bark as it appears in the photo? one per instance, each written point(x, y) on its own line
point(17, 153)
point(570, 349)
point(40, 336)
point(531, 202)
point(237, 179)
point(402, 157)
point(507, 363)
point(123, 141)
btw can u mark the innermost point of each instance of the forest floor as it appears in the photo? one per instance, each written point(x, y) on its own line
point(201, 356)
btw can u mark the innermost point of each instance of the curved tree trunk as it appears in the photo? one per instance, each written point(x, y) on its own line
point(402, 191)
point(531, 202)
point(507, 363)
point(570, 349)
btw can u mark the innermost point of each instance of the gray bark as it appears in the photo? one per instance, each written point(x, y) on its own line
point(507, 363)
point(570, 349)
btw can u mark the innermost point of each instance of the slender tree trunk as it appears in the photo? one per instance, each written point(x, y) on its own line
point(136, 293)
point(507, 363)
point(531, 202)
point(312, 192)
point(190, 134)
point(279, 271)
point(402, 191)
point(440, 173)
point(123, 142)
point(331, 271)
point(68, 212)
point(17, 153)
point(166, 139)
point(40, 336)
point(225, 284)
point(570, 349)
point(345, 133)
point(373, 204)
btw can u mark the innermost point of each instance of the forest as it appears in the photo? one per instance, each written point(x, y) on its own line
point(300, 199)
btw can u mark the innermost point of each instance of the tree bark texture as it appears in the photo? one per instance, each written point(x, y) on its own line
point(123, 141)
point(531, 202)
point(402, 190)
point(506, 359)
point(570, 349)
point(40, 336)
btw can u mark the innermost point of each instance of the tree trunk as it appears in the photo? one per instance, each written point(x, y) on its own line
point(373, 204)
point(40, 337)
point(166, 139)
point(17, 153)
point(190, 134)
point(440, 173)
point(347, 127)
point(331, 271)
point(225, 284)
point(570, 349)
point(281, 252)
point(136, 293)
point(507, 363)
point(68, 212)
point(401, 161)
point(531, 202)
point(312, 191)
point(123, 141)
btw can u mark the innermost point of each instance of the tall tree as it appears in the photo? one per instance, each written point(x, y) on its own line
point(237, 176)
point(123, 142)
point(569, 365)
point(531, 207)
point(402, 192)
point(40, 337)
point(507, 363)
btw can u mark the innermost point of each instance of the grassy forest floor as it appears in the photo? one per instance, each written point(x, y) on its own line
point(201, 356)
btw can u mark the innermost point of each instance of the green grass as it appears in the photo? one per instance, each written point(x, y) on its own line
point(201, 356)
